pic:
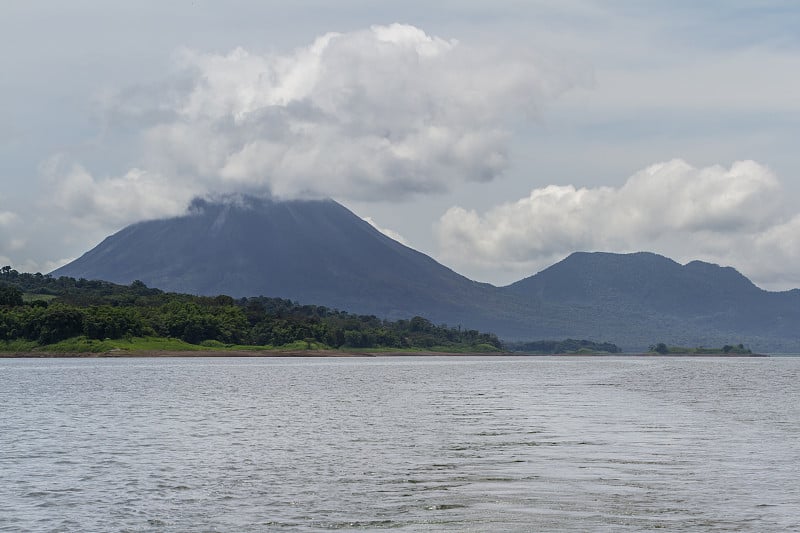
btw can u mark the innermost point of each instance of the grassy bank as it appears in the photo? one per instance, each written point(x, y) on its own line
point(153, 345)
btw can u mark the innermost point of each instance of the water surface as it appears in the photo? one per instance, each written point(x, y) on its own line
point(409, 443)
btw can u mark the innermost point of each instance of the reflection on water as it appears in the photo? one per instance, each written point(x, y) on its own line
point(414, 443)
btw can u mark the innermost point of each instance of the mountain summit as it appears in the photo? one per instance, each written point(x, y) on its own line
point(318, 252)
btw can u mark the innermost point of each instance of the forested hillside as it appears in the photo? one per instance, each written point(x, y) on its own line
point(38, 310)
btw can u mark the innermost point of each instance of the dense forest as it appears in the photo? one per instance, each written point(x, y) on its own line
point(38, 310)
point(729, 349)
point(565, 346)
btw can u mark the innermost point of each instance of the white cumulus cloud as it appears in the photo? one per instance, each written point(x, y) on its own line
point(735, 216)
point(380, 113)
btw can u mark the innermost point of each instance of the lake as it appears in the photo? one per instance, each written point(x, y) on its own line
point(401, 443)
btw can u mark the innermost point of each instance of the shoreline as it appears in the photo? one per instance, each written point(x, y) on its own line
point(229, 353)
point(120, 354)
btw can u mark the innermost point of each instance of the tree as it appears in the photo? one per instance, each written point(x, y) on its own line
point(660, 348)
point(419, 324)
point(59, 323)
point(10, 295)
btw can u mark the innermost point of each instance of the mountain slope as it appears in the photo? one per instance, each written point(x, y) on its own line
point(310, 251)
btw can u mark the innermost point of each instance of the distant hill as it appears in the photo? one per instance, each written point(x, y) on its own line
point(318, 252)
point(652, 296)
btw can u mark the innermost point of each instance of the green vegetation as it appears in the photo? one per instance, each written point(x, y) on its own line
point(10, 295)
point(663, 349)
point(39, 312)
point(570, 346)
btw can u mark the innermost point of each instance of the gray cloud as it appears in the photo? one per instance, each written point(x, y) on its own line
point(735, 216)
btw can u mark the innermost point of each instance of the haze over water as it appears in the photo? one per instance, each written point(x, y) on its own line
point(411, 443)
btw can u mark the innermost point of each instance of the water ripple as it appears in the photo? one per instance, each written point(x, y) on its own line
point(467, 444)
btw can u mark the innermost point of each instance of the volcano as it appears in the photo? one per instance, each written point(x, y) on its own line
point(314, 252)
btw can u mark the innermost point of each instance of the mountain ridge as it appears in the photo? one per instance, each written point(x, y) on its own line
point(318, 252)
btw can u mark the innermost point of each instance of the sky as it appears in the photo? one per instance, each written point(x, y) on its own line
point(496, 136)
